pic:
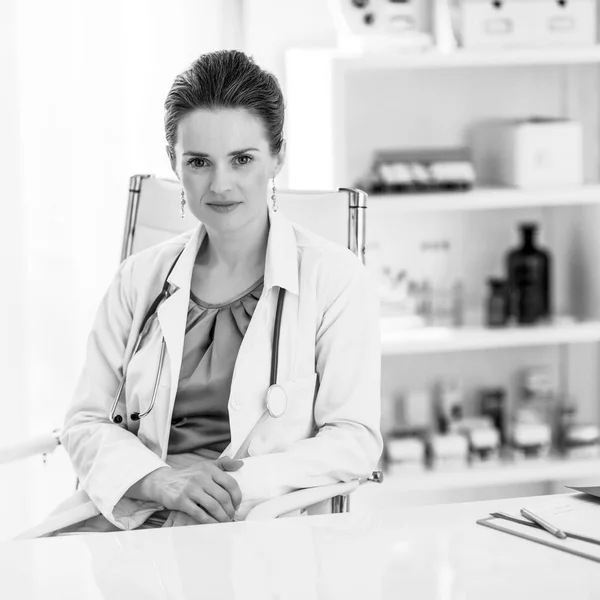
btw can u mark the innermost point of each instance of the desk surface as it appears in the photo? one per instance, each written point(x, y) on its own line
point(415, 553)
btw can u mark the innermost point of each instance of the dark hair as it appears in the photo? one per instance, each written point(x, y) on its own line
point(226, 79)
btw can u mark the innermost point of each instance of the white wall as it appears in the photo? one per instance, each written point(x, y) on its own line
point(272, 26)
point(82, 110)
point(12, 291)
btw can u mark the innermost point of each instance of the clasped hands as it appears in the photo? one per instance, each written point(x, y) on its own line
point(205, 492)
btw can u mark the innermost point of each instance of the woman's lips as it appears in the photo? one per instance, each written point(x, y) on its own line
point(224, 207)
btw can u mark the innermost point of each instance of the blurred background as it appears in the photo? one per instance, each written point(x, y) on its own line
point(474, 128)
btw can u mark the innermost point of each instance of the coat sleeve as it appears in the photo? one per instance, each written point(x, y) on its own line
point(347, 410)
point(107, 458)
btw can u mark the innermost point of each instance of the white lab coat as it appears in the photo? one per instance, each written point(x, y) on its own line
point(329, 362)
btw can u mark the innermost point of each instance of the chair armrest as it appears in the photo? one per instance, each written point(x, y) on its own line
point(41, 444)
point(299, 499)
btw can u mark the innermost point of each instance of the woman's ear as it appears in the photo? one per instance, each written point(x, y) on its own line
point(171, 155)
point(280, 159)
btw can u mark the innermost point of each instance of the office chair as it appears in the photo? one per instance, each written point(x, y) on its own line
point(150, 219)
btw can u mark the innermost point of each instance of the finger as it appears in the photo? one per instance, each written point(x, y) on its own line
point(230, 485)
point(196, 512)
point(222, 496)
point(211, 506)
point(229, 464)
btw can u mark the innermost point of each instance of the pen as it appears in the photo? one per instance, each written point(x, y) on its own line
point(559, 533)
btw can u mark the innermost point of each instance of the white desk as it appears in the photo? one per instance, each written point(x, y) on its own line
point(412, 553)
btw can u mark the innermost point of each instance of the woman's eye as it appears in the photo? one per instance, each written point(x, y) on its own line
point(197, 162)
point(200, 163)
point(244, 159)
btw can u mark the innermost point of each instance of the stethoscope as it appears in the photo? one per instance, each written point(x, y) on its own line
point(276, 401)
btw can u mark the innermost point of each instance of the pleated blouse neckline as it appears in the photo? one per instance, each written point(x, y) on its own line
point(239, 297)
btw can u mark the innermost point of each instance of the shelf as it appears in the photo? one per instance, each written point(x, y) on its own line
point(427, 340)
point(489, 199)
point(527, 471)
point(433, 59)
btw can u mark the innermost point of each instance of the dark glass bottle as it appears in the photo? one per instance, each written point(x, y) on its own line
point(497, 313)
point(529, 277)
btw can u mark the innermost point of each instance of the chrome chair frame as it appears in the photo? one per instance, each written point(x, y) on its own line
point(357, 206)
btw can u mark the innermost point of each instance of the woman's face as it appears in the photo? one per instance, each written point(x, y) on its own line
point(223, 161)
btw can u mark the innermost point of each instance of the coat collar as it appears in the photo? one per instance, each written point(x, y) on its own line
point(281, 266)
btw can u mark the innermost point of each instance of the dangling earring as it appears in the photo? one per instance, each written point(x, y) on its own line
point(182, 204)
point(273, 197)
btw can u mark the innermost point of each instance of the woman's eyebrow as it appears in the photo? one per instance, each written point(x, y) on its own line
point(234, 153)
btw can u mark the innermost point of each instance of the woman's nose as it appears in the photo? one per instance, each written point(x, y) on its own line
point(220, 181)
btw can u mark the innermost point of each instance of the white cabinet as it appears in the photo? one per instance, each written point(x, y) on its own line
point(341, 108)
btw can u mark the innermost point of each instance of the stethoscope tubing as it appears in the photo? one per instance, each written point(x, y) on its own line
point(276, 335)
point(164, 294)
point(136, 416)
point(161, 359)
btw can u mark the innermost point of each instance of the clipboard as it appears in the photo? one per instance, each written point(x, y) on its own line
point(488, 522)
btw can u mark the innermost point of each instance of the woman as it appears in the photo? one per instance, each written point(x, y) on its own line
point(179, 464)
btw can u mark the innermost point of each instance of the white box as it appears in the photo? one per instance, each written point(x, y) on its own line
point(528, 153)
point(573, 23)
point(485, 24)
point(493, 24)
point(449, 446)
point(406, 450)
point(417, 410)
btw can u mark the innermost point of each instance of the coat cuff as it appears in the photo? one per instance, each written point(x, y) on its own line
point(257, 484)
point(126, 513)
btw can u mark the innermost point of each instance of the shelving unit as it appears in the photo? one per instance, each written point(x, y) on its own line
point(358, 105)
point(326, 84)
point(488, 199)
point(513, 473)
point(459, 59)
point(427, 340)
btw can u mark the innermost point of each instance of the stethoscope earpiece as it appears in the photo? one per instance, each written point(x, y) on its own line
point(118, 419)
point(135, 416)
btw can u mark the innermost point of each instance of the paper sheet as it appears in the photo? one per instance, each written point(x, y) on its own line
point(575, 513)
point(535, 535)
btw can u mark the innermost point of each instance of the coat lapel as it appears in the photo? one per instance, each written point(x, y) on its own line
point(172, 318)
point(251, 374)
point(253, 365)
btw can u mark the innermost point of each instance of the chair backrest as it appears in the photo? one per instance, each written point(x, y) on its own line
point(153, 214)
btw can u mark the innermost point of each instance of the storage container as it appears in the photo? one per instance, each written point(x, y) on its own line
point(493, 24)
point(528, 153)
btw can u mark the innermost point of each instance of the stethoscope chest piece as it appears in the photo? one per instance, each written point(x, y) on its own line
point(276, 400)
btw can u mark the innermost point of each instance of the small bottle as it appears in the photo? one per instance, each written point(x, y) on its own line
point(426, 306)
point(566, 414)
point(441, 308)
point(449, 404)
point(458, 303)
point(498, 308)
point(443, 291)
point(493, 405)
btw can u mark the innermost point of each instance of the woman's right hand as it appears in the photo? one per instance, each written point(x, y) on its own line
point(204, 491)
